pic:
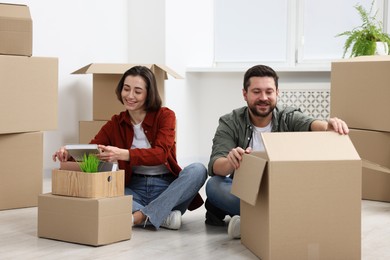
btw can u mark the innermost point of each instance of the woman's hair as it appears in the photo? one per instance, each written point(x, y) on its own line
point(153, 100)
point(259, 71)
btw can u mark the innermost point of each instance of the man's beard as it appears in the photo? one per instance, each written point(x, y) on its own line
point(255, 112)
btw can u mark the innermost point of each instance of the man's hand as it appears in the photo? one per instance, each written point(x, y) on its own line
point(337, 125)
point(235, 156)
point(224, 166)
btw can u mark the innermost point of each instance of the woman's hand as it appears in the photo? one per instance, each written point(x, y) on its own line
point(62, 155)
point(113, 154)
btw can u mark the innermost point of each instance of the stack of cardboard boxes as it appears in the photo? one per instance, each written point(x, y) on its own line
point(85, 208)
point(105, 103)
point(360, 94)
point(28, 106)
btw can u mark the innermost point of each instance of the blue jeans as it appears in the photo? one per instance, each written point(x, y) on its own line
point(218, 193)
point(156, 197)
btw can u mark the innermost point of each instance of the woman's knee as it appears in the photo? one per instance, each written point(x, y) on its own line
point(196, 170)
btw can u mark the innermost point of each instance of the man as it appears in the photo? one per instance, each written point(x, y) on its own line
point(239, 133)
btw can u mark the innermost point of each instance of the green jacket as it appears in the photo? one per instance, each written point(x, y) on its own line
point(235, 129)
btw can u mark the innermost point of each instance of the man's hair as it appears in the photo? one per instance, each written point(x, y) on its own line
point(259, 71)
point(153, 100)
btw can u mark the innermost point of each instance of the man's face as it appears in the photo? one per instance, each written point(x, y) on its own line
point(261, 96)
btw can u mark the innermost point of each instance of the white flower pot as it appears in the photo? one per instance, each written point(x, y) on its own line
point(381, 48)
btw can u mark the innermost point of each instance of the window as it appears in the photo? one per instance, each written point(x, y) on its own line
point(281, 33)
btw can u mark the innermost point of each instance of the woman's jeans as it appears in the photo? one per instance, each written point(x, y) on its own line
point(156, 197)
point(218, 193)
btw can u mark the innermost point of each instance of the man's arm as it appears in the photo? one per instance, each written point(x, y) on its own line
point(333, 124)
point(224, 166)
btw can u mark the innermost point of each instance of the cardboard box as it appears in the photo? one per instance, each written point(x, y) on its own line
point(88, 130)
point(105, 80)
point(301, 199)
point(360, 92)
point(15, 30)
point(374, 148)
point(69, 180)
point(85, 221)
point(28, 84)
point(21, 171)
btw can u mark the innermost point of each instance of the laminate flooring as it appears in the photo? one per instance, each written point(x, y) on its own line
point(195, 240)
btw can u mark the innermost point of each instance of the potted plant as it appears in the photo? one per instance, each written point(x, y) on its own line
point(364, 38)
point(90, 163)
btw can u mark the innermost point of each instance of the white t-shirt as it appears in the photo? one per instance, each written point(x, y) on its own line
point(140, 141)
point(257, 142)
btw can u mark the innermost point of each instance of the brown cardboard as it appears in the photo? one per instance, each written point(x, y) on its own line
point(69, 180)
point(28, 94)
point(374, 148)
point(308, 202)
point(88, 130)
point(15, 30)
point(85, 221)
point(360, 92)
point(21, 172)
point(105, 81)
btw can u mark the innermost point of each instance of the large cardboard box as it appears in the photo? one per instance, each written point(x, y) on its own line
point(88, 130)
point(105, 80)
point(15, 30)
point(69, 180)
point(360, 92)
point(85, 221)
point(28, 94)
point(301, 199)
point(21, 171)
point(374, 148)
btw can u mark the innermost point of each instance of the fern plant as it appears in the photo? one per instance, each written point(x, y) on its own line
point(90, 163)
point(363, 38)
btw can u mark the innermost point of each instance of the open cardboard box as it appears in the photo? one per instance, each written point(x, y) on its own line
point(69, 180)
point(86, 221)
point(301, 198)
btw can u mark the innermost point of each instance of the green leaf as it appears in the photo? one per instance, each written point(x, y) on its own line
point(90, 163)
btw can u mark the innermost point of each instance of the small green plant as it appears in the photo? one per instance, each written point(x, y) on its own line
point(363, 38)
point(90, 163)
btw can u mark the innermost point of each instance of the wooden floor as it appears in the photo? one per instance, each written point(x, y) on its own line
point(194, 240)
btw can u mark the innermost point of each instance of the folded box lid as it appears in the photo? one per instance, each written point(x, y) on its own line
point(116, 68)
point(309, 146)
point(248, 177)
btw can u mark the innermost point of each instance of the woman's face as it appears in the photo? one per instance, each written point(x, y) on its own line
point(134, 93)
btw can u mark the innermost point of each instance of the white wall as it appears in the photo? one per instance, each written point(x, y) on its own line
point(78, 33)
point(175, 32)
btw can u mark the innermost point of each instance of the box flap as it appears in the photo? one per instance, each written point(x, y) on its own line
point(106, 68)
point(169, 71)
point(116, 68)
point(374, 166)
point(309, 146)
point(247, 178)
point(15, 11)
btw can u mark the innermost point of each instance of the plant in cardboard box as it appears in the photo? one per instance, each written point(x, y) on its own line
point(365, 38)
point(90, 163)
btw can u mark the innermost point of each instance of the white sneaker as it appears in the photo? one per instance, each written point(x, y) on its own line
point(234, 231)
point(173, 221)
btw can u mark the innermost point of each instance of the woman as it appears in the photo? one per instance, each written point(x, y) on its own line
point(142, 140)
